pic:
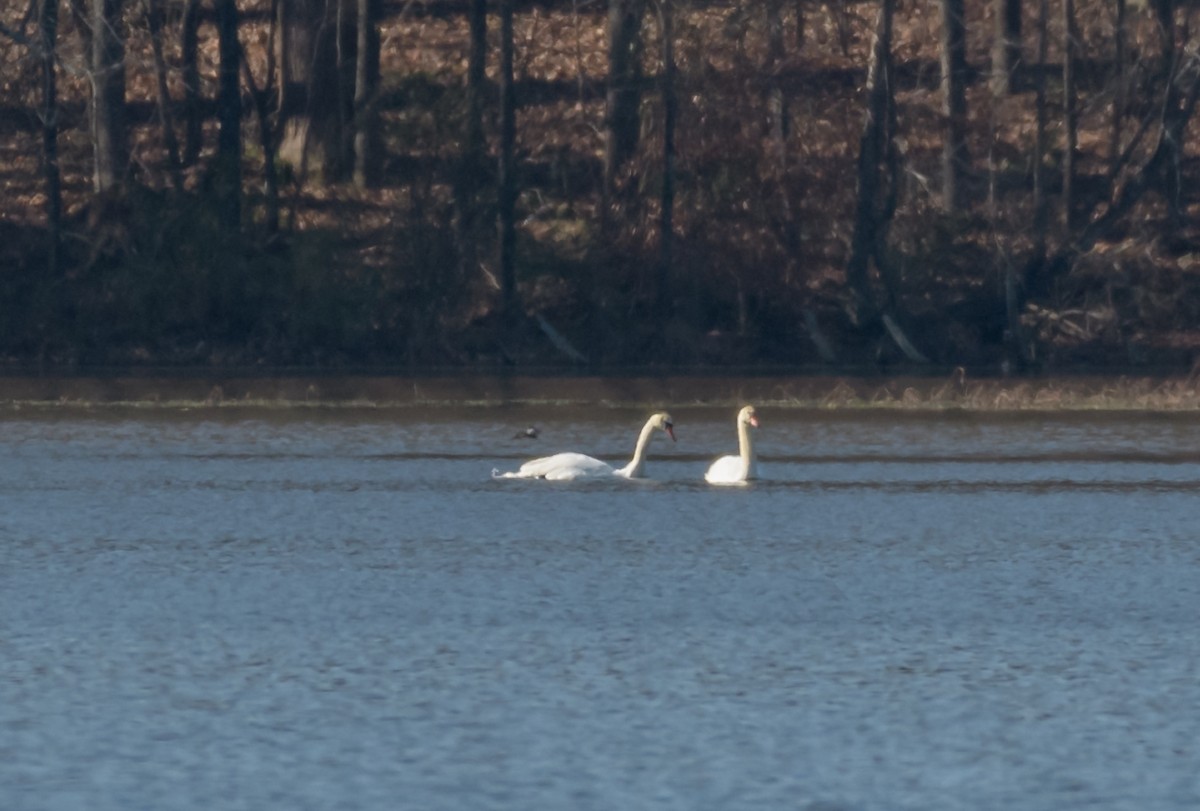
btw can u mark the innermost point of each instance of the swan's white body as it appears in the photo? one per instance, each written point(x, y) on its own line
point(568, 466)
point(744, 466)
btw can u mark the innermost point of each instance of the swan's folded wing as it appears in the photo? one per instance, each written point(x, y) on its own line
point(726, 470)
point(562, 467)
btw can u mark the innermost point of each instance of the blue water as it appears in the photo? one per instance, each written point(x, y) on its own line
point(342, 609)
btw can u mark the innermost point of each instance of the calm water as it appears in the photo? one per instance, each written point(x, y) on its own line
point(340, 609)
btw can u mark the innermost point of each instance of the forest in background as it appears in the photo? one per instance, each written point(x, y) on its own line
point(996, 184)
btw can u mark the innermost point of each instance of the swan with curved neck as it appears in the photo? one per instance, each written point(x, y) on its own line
point(744, 466)
point(567, 466)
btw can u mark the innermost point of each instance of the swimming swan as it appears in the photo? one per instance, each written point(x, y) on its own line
point(567, 466)
point(743, 467)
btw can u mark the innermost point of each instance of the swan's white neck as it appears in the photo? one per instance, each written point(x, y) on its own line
point(634, 469)
point(746, 447)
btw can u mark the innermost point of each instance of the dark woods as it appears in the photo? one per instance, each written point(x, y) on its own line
point(463, 183)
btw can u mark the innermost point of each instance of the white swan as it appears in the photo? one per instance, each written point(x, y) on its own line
point(743, 467)
point(567, 466)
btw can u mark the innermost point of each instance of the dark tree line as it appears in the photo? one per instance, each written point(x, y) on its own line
point(310, 100)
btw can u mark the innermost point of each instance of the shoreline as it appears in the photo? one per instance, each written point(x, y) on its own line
point(217, 389)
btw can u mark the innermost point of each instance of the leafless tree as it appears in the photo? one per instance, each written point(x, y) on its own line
point(313, 106)
point(1118, 80)
point(266, 129)
point(954, 102)
point(624, 95)
point(154, 24)
point(189, 44)
point(670, 113)
point(368, 147)
point(48, 40)
point(1040, 205)
point(872, 154)
point(229, 115)
point(1006, 44)
point(507, 175)
point(1070, 113)
point(471, 163)
point(776, 101)
point(107, 75)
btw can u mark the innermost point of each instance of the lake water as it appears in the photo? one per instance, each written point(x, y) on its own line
point(341, 609)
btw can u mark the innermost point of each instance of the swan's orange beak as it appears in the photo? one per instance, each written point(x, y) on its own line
point(670, 429)
point(754, 420)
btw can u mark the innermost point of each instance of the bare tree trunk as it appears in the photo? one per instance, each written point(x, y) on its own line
point(154, 22)
point(108, 97)
point(1006, 45)
point(1034, 273)
point(266, 133)
point(871, 153)
point(229, 115)
point(954, 102)
point(670, 104)
point(310, 88)
point(472, 162)
point(81, 16)
point(193, 132)
point(624, 96)
point(776, 103)
point(1039, 143)
point(777, 122)
point(48, 31)
point(1070, 114)
point(368, 145)
point(507, 178)
point(877, 195)
point(1165, 11)
point(800, 27)
point(476, 74)
point(1120, 87)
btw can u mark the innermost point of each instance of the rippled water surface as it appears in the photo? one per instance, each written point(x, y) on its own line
point(342, 609)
